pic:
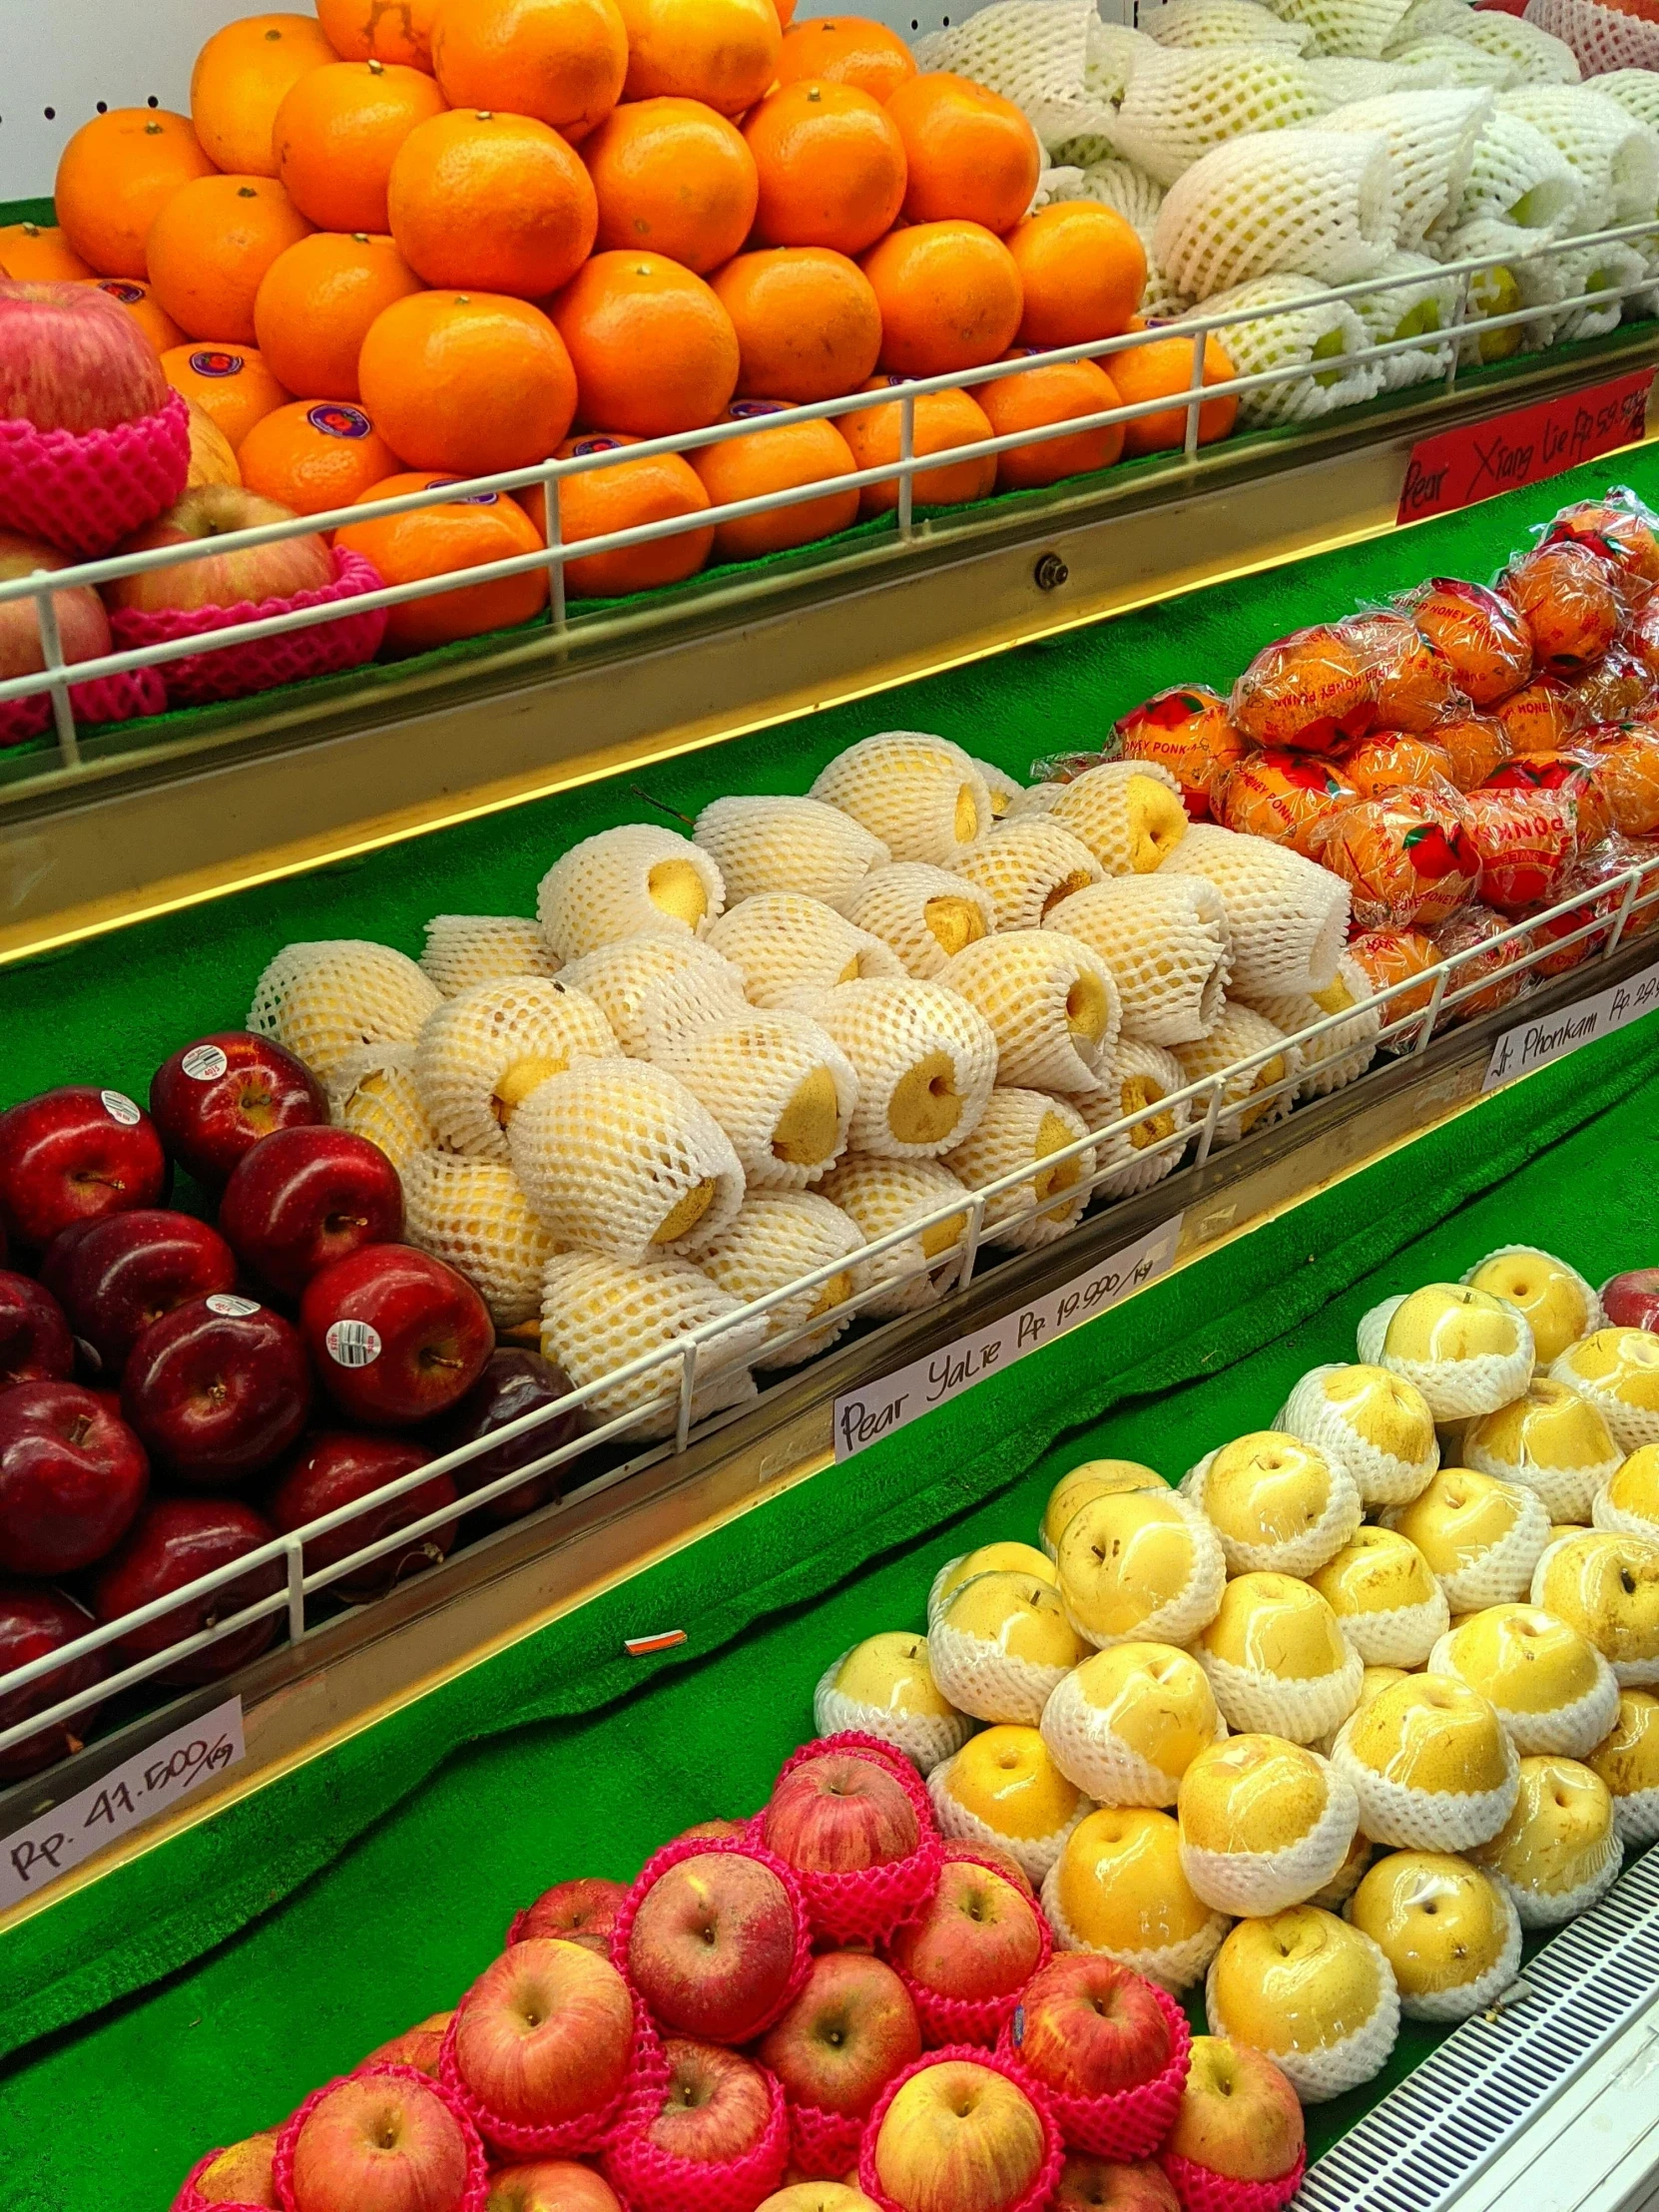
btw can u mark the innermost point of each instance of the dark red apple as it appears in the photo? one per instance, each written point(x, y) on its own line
point(397, 1335)
point(217, 1390)
point(845, 2037)
point(203, 515)
point(337, 1469)
point(1631, 1300)
point(34, 1622)
point(838, 1814)
point(35, 1344)
point(579, 1912)
point(216, 1099)
point(303, 1198)
point(118, 1275)
point(514, 1382)
point(73, 1155)
point(72, 360)
point(713, 1946)
point(174, 1541)
point(72, 1477)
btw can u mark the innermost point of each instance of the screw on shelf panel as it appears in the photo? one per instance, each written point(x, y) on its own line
point(1050, 572)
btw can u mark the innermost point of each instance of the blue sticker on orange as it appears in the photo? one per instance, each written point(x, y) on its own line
point(336, 419)
point(217, 363)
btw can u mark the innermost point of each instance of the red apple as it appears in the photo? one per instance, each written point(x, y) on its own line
point(72, 1478)
point(582, 1912)
point(550, 2185)
point(545, 2035)
point(380, 2143)
point(838, 1814)
point(174, 1542)
point(959, 2137)
point(713, 1946)
point(35, 1344)
point(514, 1382)
point(32, 1623)
point(243, 2173)
point(719, 1830)
point(1101, 2185)
point(417, 2047)
point(203, 515)
point(716, 2108)
point(83, 624)
point(1004, 1862)
point(976, 1938)
point(73, 1155)
point(397, 1335)
point(72, 360)
point(303, 1198)
point(215, 1100)
point(338, 1467)
point(1238, 2115)
point(116, 1276)
point(1092, 2027)
point(1631, 1300)
point(850, 2030)
point(217, 1390)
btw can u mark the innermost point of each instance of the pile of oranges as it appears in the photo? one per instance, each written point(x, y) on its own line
point(398, 243)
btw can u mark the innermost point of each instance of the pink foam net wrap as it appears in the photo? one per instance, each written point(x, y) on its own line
point(1202, 2189)
point(589, 2131)
point(139, 691)
point(477, 2166)
point(863, 1908)
point(190, 2199)
point(87, 490)
point(697, 1847)
point(974, 2019)
point(824, 2146)
point(1129, 2123)
point(1037, 2196)
point(650, 2180)
point(198, 679)
point(1603, 38)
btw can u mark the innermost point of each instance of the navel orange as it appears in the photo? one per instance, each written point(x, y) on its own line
point(675, 177)
point(808, 323)
point(1083, 270)
point(723, 52)
point(114, 176)
point(466, 381)
point(141, 304)
point(846, 50)
point(40, 253)
point(601, 500)
point(942, 420)
point(314, 305)
point(1159, 369)
point(830, 167)
point(241, 78)
point(379, 30)
point(231, 384)
point(491, 202)
point(315, 454)
point(1054, 394)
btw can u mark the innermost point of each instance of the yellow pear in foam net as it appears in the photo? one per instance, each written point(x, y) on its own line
point(1278, 1660)
point(885, 1687)
point(920, 794)
point(1287, 918)
point(1560, 1307)
point(1027, 866)
point(654, 988)
point(1606, 1585)
point(925, 914)
point(463, 951)
point(1139, 1566)
point(1626, 1502)
point(1051, 1002)
point(1617, 1371)
point(1128, 812)
point(1551, 1687)
point(1432, 1764)
point(1253, 1095)
point(1001, 1644)
point(925, 1059)
point(1003, 1788)
point(784, 943)
point(1627, 1759)
point(638, 876)
point(1377, 1421)
point(1387, 1602)
point(1126, 1724)
point(1020, 1129)
point(788, 845)
point(1152, 1138)
point(1560, 1849)
point(1482, 1537)
point(1467, 1351)
point(1448, 1931)
point(1312, 1991)
point(1082, 1484)
point(1276, 1502)
point(1118, 1886)
point(1265, 1824)
point(775, 1238)
point(482, 1055)
point(373, 1094)
point(599, 1312)
point(327, 1001)
point(472, 1215)
point(1167, 943)
point(882, 1196)
point(779, 1087)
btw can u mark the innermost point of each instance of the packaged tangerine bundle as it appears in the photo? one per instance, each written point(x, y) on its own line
point(1541, 716)
point(1625, 757)
point(1286, 797)
point(1408, 857)
point(1571, 601)
point(1390, 957)
point(1576, 777)
point(1528, 840)
point(1619, 684)
point(1413, 679)
point(1188, 731)
point(1307, 690)
point(1479, 633)
point(1472, 933)
point(1621, 528)
point(1580, 881)
point(1476, 744)
point(1395, 760)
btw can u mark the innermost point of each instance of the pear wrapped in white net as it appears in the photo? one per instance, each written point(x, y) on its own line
point(1265, 1824)
point(327, 999)
point(1635, 90)
point(1377, 1422)
point(1534, 56)
point(637, 877)
point(775, 1238)
point(1528, 278)
point(1430, 138)
point(925, 914)
point(1035, 56)
point(1360, 28)
point(1021, 1128)
point(599, 1312)
point(1442, 62)
point(1125, 1724)
point(920, 794)
point(1423, 302)
point(1003, 788)
point(1320, 203)
point(1246, 1099)
point(1341, 1054)
point(1427, 19)
point(472, 1215)
point(617, 1155)
point(1467, 1352)
point(1166, 940)
point(1027, 866)
point(882, 1196)
point(1286, 916)
point(1313, 348)
point(1603, 278)
point(782, 1090)
point(481, 1055)
point(885, 1687)
point(1050, 1003)
point(373, 1095)
point(1340, 79)
point(782, 942)
point(653, 989)
point(466, 950)
point(1128, 812)
point(1181, 101)
point(925, 1059)
point(788, 845)
point(1223, 23)
point(1320, 2058)
point(1517, 174)
point(1125, 188)
point(1142, 1077)
point(1616, 156)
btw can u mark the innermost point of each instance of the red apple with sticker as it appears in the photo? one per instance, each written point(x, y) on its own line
point(852, 2030)
point(582, 1912)
point(715, 2107)
point(380, 2143)
point(73, 1155)
point(243, 2173)
point(1092, 2027)
point(419, 2046)
point(839, 1814)
point(173, 1542)
point(34, 1622)
point(976, 1938)
point(72, 1478)
point(217, 1390)
point(206, 515)
point(550, 2185)
point(217, 1097)
point(713, 1947)
point(305, 1197)
point(1631, 1300)
point(35, 1342)
point(1104, 2185)
point(116, 1276)
point(72, 360)
point(336, 1468)
point(544, 2037)
point(397, 1337)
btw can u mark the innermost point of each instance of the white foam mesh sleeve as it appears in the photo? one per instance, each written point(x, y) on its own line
point(1457, 1390)
point(924, 914)
point(883, 1195)
point(1612, 269)
point(905, 1038)
point(1570, 1731)
point(1398, 1635)
point(1361, 28)
point(1019, 1129)
point(1427, 19)
point(472, 1215)
point(1286, 916)
point(1027, 866)
point(1537, 280)
point(1223, 23)
point(994, 1685)
point(787, 845)
point(1463, 2003)
point(750, 1070)
point(920, 794)
point(1444, 62)
point(1503, 1573)
point(1425, 302)
point(1174, 1966)
point(1385, 1478)
point(1035, 56)
point(1395, 1812)
point(1095, 1759)
point(373, 1095)
point(925, 1739)
point(1342, 78)
point(1143, 1076)
point(1273, 1705)
point(1305, 1552)
point(1181, 101)
point(1118, 810)
point(656, 988)
point(782, 942)
point(1517, 174)
point(1431, 139)
point(466, 950)
point(599, 1312)
point(1343, 1054)
point(1549, 1907)
point(1125, 188)
point(1636, 1817)
point(1050, 1003)
point(1536, 56)
point(327, 999)
point(1003, 788)
point(1283, 337)
point(1630, 1425)
point(1635, 90)
point(1603, 40)
point(1251, 1884)
point(602, 888)
point(1241, 1034)
point(775, 1238)
point(1168, 945)
point(1318, 201)
point(1618, 1520)
point(1615, 154)
point(478, 1049)
point(1319, 2075)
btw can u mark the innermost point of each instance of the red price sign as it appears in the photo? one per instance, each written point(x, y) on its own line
point(1457, 468)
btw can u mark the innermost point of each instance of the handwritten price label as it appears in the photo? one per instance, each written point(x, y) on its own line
point(142, 1786)
point(1459, 468)
point(880, 1408)
point(1534, 1044)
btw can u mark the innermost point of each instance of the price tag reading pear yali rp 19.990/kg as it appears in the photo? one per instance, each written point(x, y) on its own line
point(141, 1786)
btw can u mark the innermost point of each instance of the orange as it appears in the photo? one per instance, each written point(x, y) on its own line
point(949, 296)
point(673, 175)
point(38, 254)
point(433, 541)
point(808, 324)
point(315, 454)
point(786, 12)
point(470, 383)
point(562, 61)
point(212, 458)
point(831, 166)
point(723, 52)
point(777, 460)
point(337, 133)
point(971, 155)
point(1054, 394)
point(126, 292)
point(239, 81)
point(231, 384)
point(209, 248)
point(114, 176)
point(942, 420)
point(497, 203)
point(1082, 268)
point(621, 498)
point(379, 30)
point(1159, 369)
point(846, 50)
point(315, 304)
point(654, 350)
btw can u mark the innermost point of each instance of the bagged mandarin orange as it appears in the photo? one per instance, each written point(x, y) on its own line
point(1188, 731)
point(1393, 760)
point(1414, 683)
point(1408, 857)
point(1641, 636)
point(1475, 745)
point(1540, 717)
point(1390, 957)
point(1581, 879)
point(1576, 776)
point(1618, 685)
point(1307, 690)
point(1627, 758)
point(1286, 797)
point(1479, 633)
point(1528, 840)
point(1569, 600)
point(1468, 933)
point(1619, 528)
